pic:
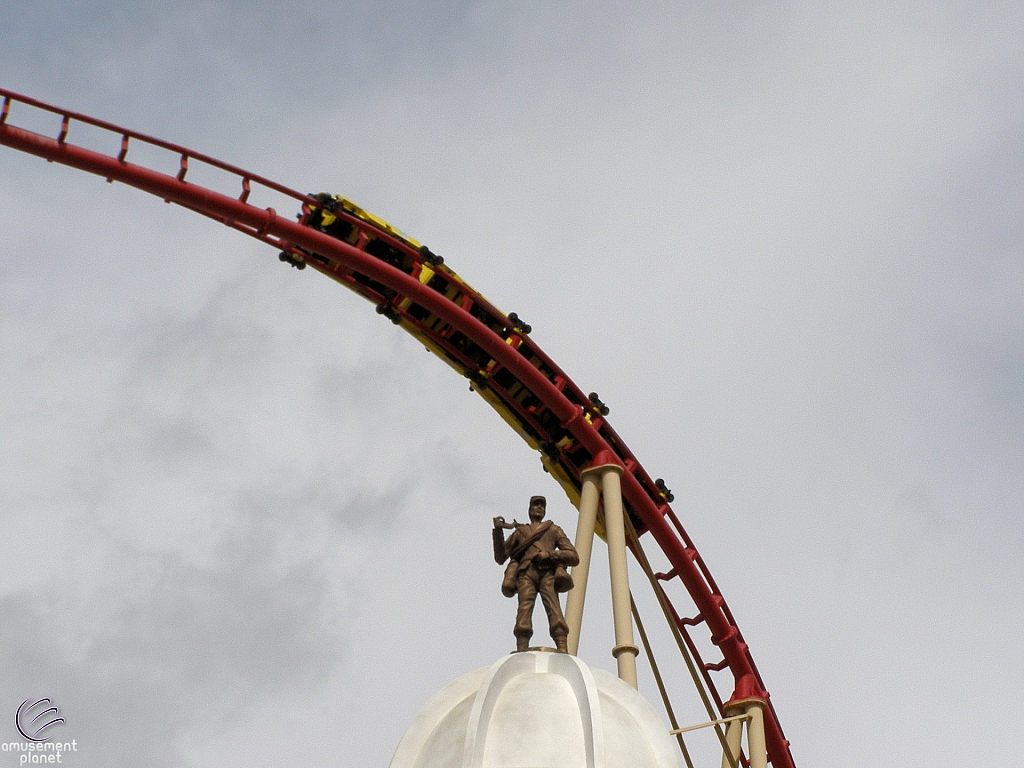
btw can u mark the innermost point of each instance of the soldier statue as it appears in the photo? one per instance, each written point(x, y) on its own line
point(539, 553)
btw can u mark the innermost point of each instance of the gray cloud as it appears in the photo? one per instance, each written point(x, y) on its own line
point(182, 647)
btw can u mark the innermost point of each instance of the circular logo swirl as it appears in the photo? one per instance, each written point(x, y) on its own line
point(32, 722)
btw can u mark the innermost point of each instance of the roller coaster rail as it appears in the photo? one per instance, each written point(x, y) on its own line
point(413, 287)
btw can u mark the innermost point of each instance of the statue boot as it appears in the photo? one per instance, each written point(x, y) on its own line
point(523, 642)
point(561, 642)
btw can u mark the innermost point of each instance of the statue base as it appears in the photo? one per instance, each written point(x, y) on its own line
point(537, 709)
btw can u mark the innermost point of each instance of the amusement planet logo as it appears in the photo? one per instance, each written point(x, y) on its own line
point(31, 729)
point(33, 720)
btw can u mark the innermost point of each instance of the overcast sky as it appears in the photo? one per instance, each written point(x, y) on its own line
point(245, 519)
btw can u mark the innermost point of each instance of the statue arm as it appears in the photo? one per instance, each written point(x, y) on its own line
point(513, 542)
point(565, 552)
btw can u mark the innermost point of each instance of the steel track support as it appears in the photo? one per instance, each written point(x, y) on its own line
point(625, 650)
point(750, 711)
point(589, 499)
point(603, 478)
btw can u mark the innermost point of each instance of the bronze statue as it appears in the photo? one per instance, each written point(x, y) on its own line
point(539, 553)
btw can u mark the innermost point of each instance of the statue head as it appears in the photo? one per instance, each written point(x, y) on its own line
point(538, 506)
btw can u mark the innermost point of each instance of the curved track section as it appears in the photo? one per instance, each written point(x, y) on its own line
point(412, 287)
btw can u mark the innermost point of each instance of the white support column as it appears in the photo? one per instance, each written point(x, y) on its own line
point(589, 498)
point(734, 740)
point(752, 712)
point(625, 651)
point(757, 752)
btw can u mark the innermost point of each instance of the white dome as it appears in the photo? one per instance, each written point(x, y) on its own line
point(537, 710)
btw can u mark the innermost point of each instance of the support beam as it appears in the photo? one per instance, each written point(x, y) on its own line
point(625, 650)
point(757, 752)
point(589, 498)
point(733, 739)
point(751, 711)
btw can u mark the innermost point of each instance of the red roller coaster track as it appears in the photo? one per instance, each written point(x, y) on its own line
point(412, 287)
